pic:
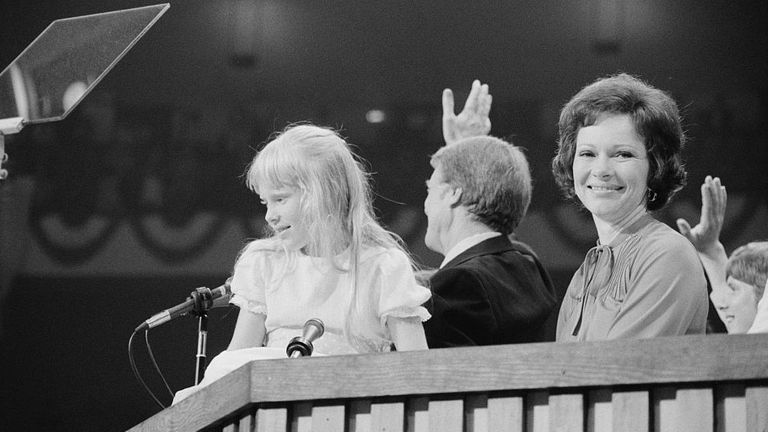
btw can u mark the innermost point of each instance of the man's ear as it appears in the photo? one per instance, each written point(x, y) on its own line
point(454, 196)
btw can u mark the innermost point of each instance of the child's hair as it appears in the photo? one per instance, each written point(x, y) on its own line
point(749, 264)
point(336, 207)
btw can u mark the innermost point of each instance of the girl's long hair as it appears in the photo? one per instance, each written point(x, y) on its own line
point(336, 209)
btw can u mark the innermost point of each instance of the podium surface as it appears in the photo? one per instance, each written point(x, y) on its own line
point(687, 383)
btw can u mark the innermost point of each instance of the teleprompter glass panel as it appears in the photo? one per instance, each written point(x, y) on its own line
point(53, 74)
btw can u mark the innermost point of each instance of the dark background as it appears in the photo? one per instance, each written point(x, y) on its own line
point(167, 134)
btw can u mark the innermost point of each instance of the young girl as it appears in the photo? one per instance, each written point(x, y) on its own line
point(327, 258)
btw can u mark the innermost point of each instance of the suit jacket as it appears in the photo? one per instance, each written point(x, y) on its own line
point(496, 292)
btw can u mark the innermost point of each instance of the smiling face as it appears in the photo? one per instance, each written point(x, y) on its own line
point(284, 214)
point(610, 168)
point(737, 306)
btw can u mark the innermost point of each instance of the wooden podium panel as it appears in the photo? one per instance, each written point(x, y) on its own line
point(687, 383)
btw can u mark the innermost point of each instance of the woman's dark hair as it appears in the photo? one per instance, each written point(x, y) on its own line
point(656, 118)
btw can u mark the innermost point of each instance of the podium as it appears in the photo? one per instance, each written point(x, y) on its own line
point(685, 383)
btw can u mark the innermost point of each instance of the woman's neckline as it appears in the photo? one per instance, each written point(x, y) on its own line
point(622, 231)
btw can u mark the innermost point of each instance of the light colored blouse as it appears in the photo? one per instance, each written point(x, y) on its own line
point(290, 288)
point(646, 284)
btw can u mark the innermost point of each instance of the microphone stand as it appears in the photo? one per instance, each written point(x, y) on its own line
point(203, 301)
point(202, 340)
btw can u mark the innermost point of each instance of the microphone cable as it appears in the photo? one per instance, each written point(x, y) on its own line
point(207, 303)
point(154, 362)
point(135, 369)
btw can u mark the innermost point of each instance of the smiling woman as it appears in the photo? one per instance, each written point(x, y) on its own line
point(610, 169)
point(619, 154)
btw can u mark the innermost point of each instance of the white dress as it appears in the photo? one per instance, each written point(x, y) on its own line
point(293, 288)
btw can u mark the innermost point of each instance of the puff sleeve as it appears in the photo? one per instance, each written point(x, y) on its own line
point(399, 295)
point(248, 286)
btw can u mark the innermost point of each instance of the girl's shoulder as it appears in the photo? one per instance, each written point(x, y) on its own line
point(381, 255)
point(261, 247)
point(263, 257)
point(266, 244)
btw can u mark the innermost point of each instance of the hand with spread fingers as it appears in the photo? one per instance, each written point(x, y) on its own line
point(706, 234)
point(705, 237)
point(473, 120)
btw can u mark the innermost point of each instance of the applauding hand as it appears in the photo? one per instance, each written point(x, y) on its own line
point(473, 119)
point(706, 234)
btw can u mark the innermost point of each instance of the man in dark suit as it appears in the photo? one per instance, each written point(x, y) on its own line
point(489, 289)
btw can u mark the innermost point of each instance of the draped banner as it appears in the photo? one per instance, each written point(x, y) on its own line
point(119, 189)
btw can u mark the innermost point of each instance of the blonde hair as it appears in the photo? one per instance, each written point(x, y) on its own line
point(336, 207)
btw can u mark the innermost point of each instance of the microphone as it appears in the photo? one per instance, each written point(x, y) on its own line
point(200, 300)
point(301, 346)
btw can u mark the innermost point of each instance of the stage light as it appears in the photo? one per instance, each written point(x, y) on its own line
point(376, 116)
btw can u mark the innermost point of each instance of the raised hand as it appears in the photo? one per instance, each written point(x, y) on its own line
point(706, 234)
point(473, 119)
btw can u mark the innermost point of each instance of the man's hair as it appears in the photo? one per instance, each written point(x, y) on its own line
point(494, 179)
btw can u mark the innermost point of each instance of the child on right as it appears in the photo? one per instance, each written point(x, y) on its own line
point(746, 273)
point(738, 282)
